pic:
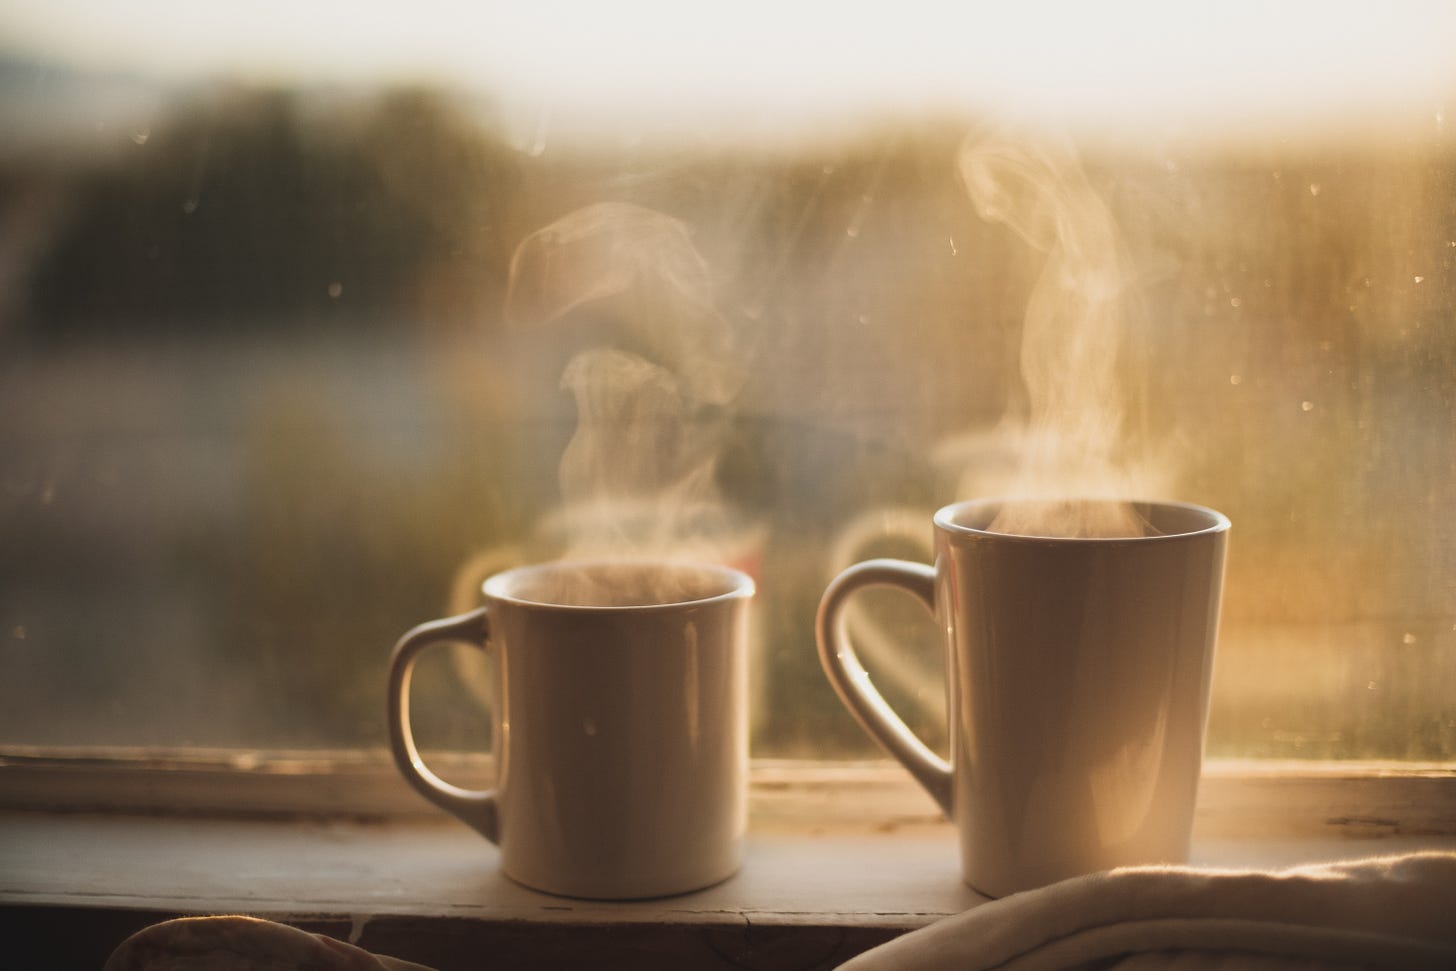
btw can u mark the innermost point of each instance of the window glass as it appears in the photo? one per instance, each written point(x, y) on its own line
point(299, 344)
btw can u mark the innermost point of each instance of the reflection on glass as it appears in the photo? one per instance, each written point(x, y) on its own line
point(289, 362)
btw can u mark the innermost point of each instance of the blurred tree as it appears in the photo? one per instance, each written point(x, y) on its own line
point(271, 210)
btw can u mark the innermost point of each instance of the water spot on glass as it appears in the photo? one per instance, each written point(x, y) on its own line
point(1236, 302)
point(18, 632)
point(533, 142)
point(1420, 279)
point(589, 726)
point(852, 232)
point(1236, 379)
point(863, 318)
point(189, 206)
point(246, 761)
point(953, 250)
point(141, 135)
point(335, 290)
point(1314, 188)
point(1306, 406)
point(1408, 638)
point(1370, 685)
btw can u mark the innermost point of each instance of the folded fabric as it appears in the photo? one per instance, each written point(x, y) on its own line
point(1385, 912)
point(242, 944)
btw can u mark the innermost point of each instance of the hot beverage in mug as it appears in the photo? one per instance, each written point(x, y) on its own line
point(1078, 672)
point(620, 723)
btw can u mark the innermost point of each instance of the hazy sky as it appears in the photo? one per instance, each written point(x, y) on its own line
point(1168, 62)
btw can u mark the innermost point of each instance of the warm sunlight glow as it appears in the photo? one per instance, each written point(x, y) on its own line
point(654, 63)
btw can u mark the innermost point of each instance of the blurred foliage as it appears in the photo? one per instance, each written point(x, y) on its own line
point(266, 210)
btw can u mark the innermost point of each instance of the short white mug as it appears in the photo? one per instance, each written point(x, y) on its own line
point(621, 738)
point(1078, 679)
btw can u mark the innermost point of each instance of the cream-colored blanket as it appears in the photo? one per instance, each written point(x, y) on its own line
point(1387, 912)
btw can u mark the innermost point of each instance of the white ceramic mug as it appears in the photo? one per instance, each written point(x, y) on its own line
point(1078, 679)
point(621, 739)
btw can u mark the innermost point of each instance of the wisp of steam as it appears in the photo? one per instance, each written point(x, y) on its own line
point(1072, 445)
point(652, 372)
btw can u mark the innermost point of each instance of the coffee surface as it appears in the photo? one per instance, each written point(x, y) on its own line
point(1072, 518)
point(623, 584)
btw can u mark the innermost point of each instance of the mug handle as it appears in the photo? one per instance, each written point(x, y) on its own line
point(852, 682)
point(476, 807)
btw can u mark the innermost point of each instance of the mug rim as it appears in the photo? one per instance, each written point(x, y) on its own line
point(944, 519)
point(499, 586)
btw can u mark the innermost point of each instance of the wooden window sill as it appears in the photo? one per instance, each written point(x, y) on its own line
point(74, 886)
point(836, 863)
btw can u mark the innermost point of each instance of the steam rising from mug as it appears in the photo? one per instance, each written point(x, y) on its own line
point(652, 374)
point(1073, 442)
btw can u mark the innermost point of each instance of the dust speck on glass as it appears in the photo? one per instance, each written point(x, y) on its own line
point(299, 344)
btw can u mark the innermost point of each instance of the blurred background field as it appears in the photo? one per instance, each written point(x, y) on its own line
point(261, 398)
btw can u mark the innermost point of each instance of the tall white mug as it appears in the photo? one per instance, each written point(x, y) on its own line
point(621, 731)
point(1078, 675)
